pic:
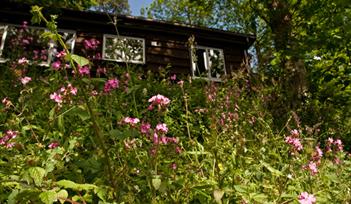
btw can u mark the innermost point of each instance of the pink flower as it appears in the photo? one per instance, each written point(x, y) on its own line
point(173, 77)
point(145, 128)
point(164, 140)
point(295, 142)
point(61, 54)
point(24, 25)
point(305, 198)
point(56, 65)
point(84, 70)
point(339, 145)
point(10, 134)
point(178, 150)
point(337, 160)
point(73, 90)
point(44, 54)
point(25, 42)
point(174, 166)
point(101, 71)
point(312, 167)
point(25, 80)
point(159, 100)
point(6, 102)
point(94, 93)
point(131, 121)
point(330, 140)
point(155, 138)
point(53, 145)
point(56, 97)
point(318, 153)
point(91, 44)
point(180, 83)
point(111, 85)
point(23, 60)
point(10, 145)
point(162, 127)
point(294, 133)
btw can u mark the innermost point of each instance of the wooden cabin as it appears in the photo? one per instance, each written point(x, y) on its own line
point(199, 51)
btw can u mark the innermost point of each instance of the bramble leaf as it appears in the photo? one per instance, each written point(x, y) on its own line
point(37, 174)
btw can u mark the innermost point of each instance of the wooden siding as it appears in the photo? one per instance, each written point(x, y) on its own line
point(165, 43)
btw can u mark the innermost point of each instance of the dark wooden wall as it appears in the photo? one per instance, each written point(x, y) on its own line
point(171, 39)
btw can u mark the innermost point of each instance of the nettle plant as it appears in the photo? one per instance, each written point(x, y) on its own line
point(68, 136)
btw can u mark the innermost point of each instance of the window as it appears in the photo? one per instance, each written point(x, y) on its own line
point(208, 63)
point(24, 41)
point(123, 49)
point(68, 37)
point(3, 33)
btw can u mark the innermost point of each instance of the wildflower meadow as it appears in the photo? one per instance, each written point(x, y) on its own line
point(77, 131)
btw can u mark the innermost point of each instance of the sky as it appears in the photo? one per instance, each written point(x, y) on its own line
point(136, 5)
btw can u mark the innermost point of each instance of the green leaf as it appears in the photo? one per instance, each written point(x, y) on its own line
point(271, 169)
point(48, 197)
point(101, 193)
point(156, 182)
point(260, 198)
point(37, 174)
point(49, 35)
point(82, 113)
point(12, 197)
point(60, 123)
point(86, 187)
point(36, 11)
point(240, 188)
point(62, 195)
point(81, 61)
point(52, 113)
point(115, 133)
point(218, 194)
point(67, 184)
point(75, 186)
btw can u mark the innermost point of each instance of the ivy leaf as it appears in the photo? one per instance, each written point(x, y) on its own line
point(37, 174)
point(81, 61)
point(48, 197)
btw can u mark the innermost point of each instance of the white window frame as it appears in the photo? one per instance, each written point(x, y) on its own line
point(3, 38)
point(122, 37)
point(47, 63)
point(206, 63)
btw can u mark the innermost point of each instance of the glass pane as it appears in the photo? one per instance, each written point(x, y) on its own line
point(124, 49)
point(216, 62)
point(200, 69)
point(26, 42)
point(133, 50)
point(113, 49)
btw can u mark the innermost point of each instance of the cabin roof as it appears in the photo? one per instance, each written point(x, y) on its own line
point(94, 21)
